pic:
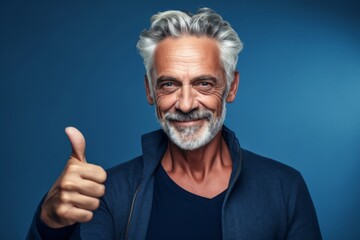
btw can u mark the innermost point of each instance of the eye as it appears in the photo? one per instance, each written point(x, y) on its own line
point(204, 85)
point(167, 84)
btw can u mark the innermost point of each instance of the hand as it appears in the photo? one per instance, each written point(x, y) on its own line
point(75, 194)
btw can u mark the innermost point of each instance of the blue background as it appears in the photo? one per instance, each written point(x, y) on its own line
point(75, 63)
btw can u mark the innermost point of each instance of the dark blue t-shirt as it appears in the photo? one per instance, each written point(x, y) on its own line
point(179, 214)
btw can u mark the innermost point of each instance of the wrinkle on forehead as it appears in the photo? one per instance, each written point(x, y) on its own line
point(188, 57)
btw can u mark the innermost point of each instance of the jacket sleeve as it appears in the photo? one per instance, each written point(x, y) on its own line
point(38, 230)
point(302, 219)
point(100, 227)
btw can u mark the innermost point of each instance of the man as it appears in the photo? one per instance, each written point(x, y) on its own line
point(193, 181)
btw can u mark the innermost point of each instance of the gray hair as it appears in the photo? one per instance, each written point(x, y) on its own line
point(205, 22)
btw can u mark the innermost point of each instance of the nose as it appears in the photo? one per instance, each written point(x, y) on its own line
point(186, 101)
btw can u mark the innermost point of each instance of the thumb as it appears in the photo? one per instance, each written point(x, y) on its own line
point(77, 141)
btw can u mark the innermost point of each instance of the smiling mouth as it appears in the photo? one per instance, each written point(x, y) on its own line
point(187, 122)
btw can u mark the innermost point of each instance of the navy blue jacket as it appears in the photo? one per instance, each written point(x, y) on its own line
point(265, 199)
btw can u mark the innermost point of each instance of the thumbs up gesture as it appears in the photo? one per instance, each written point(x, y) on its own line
point(76, 192)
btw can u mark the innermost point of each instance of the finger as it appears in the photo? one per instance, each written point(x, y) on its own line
point(75, 168)
point(78, 200)
point(91, 189)
point(94, 173)
point(73, 214)
point(77, 141)
point(83, 186)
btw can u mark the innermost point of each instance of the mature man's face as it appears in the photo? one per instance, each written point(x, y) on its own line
point(189, 89)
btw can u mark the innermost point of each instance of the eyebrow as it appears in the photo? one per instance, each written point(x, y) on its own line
point(165, 78)
point(204, 77)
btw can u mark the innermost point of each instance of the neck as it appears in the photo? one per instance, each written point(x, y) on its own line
point(198, 163)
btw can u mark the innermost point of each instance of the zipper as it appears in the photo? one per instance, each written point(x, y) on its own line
point(238, 170)
point(131, 212)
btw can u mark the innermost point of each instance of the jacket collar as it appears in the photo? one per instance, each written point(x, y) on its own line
point(154, 145)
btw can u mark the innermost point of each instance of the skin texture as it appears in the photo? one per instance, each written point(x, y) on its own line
point(76, 192)
point(189, 77)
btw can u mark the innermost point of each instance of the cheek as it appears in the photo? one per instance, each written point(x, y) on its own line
point(213, 103)
point(164, 103)
point(214, 100)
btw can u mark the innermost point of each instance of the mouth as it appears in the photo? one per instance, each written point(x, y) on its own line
point(187, 123)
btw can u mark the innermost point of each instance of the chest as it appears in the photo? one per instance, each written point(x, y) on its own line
point(179, 214)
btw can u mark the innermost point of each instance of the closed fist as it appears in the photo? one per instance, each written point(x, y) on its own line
point(75, 194)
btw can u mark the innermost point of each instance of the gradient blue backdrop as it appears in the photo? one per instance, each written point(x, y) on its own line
point(75, 63)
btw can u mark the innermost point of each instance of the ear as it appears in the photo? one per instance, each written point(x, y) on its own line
point(233, 88)
point(148, 92)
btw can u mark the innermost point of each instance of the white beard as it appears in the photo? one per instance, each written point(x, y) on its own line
point(192, 137)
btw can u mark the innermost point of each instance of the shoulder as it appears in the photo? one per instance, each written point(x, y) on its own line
point(254, 164)
point(128, 172)
point(269, 175)
point(123, 180)
point(131, 166)
point(272, 180)
point(258, 164)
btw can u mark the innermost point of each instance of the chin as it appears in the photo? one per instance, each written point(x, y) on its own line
point(191, 137)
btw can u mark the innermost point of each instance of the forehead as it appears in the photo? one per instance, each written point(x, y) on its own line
point(187, 55)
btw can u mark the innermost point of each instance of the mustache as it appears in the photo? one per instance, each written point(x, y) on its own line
point(190, 116)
